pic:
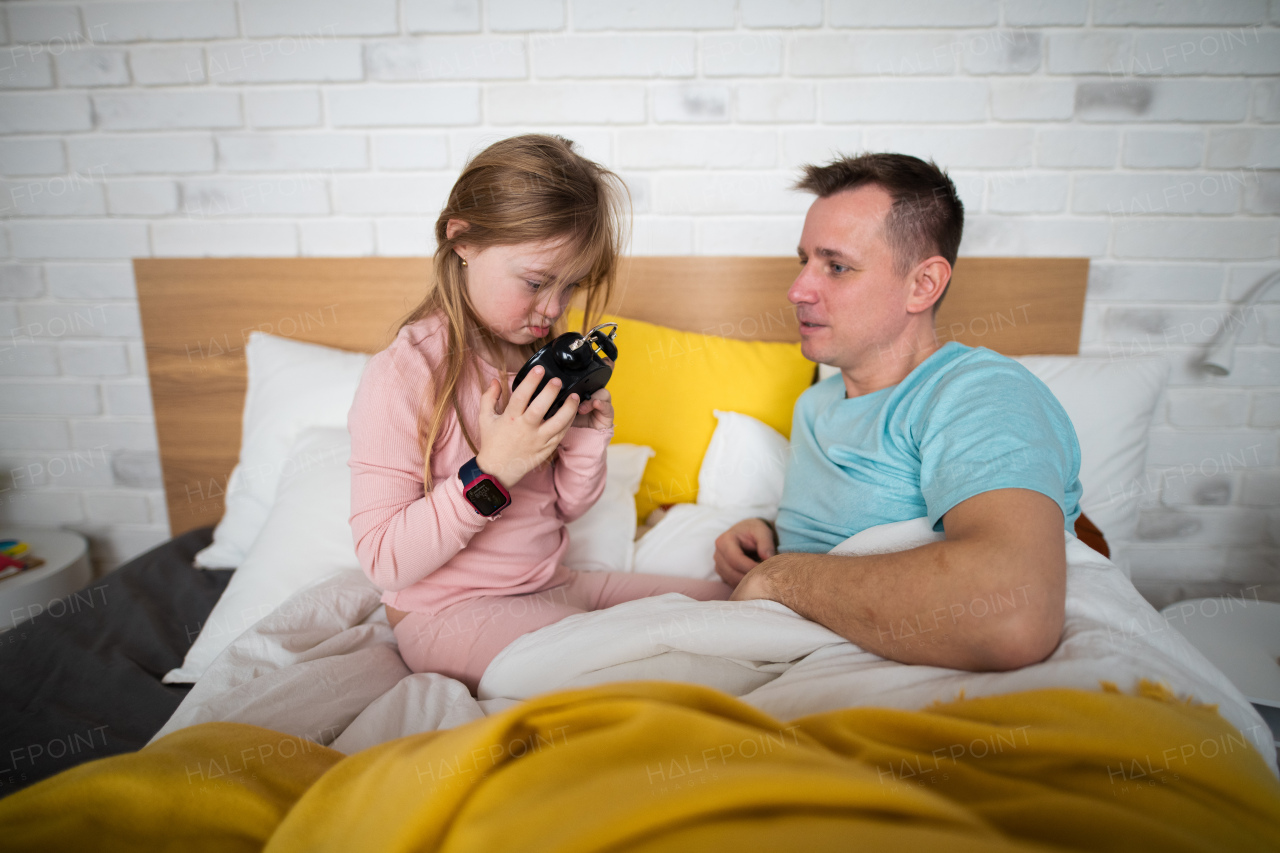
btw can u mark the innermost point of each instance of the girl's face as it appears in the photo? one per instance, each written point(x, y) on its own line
point(509, 288)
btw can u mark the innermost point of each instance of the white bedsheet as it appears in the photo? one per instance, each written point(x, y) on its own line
point(324, 664)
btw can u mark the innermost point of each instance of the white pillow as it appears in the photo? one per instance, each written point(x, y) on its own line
point(306, 538)
point(741, 477)
point(683, 542)
point(292, 386)
point(602, 539)
point(1110, 402)
point(745, 463)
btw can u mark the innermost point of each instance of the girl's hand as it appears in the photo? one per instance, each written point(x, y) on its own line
point(596, 411)
point(518, 440)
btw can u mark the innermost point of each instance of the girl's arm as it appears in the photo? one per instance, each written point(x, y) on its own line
point(401, 534)
point(579, 474)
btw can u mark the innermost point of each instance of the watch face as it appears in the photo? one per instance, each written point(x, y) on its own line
point(486, 497)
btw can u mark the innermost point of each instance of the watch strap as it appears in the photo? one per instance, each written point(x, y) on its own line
point(469, 473)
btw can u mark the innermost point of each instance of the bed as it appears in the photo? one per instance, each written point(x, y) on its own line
point(76, 689)
point(198, 316)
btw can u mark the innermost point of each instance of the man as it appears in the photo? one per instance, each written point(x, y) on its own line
point(910, 428)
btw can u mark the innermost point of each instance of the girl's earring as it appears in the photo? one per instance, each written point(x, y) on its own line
point(464, 262)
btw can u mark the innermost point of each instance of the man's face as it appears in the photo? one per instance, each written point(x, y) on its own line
point(850, 303)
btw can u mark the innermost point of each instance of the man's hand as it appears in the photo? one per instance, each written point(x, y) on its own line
point(742, 547)
point(758, 583)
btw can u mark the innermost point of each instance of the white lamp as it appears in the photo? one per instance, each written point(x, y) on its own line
point(1220, 356)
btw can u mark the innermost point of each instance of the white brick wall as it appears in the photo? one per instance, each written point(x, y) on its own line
point(1144, 134)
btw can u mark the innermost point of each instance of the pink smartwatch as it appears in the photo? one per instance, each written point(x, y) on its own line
point(483, 491)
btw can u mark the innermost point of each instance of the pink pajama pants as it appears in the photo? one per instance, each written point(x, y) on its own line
point(463, 638)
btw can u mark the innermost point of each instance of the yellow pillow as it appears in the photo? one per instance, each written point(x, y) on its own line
point(666, 384)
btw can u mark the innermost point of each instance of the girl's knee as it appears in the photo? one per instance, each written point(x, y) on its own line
point(714, 591)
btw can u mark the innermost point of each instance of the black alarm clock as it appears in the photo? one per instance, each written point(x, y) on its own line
point(579, 362)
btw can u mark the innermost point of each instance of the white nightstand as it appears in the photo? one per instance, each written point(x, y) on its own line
point(66, 569)
point(1241, 637)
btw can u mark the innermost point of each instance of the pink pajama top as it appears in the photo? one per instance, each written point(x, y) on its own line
point(428, 551)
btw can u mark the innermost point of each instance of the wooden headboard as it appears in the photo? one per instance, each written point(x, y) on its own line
point(197, 314)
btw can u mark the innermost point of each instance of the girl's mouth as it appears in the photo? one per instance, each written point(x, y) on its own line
point(539, 331)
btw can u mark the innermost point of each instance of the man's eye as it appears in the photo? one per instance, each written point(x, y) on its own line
point(839, 268)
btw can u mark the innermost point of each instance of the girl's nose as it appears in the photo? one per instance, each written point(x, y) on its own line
point(553, 308)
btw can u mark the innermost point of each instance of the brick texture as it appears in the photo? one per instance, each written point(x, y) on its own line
point(1139, 133)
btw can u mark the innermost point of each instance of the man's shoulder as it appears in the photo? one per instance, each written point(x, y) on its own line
point(958, 357)
point(962, 368)
point(975, 382)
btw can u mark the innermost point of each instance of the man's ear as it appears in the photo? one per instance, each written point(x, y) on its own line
point(929, 280)
point(454, 227)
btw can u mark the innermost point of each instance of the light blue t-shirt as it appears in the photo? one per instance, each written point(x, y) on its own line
point(965, 421)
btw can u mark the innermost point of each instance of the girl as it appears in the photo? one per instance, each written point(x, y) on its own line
point(528, 221)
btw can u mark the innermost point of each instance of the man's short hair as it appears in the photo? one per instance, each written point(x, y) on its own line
point(927, 217)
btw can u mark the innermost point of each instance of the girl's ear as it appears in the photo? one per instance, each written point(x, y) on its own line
point(454, 227)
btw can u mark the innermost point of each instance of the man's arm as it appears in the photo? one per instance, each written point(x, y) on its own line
point(989, 597)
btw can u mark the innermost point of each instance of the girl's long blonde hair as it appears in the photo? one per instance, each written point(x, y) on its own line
point(531, 188)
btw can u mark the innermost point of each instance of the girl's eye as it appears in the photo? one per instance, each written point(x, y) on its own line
point(534, 284)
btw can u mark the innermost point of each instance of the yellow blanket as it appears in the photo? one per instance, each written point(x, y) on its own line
point(658, 766)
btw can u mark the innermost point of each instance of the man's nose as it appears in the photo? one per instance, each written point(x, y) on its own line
point(802, 289)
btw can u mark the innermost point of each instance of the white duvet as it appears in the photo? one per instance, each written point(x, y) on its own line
point(324, 664)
